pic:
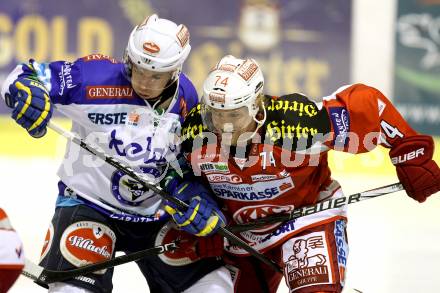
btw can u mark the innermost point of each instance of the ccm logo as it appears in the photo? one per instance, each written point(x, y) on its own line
point(407, 157)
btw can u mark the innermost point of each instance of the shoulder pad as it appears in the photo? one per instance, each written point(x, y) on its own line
point(295, 117)
point(192, 127)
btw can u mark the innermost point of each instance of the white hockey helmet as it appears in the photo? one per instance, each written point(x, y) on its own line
point(158, 45)
point(232, 84)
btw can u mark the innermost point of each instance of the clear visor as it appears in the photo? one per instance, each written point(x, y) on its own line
point(226, 121)
point(150, 84)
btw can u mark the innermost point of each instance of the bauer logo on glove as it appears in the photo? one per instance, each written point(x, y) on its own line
point(31, 103)
point(417, 171)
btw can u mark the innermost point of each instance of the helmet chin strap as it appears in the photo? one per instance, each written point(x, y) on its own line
point(260, 122)
point(228, 127)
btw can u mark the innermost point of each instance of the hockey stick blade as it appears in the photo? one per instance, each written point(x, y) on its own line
point(43, 277)
point(158, 190)
point(319, 207)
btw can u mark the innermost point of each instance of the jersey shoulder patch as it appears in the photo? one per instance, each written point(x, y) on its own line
point(295, 117)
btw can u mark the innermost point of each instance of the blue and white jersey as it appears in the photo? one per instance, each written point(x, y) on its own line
point(108, 114)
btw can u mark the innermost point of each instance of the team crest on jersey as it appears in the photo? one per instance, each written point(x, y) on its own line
point(185, 254)
point(87, 242)
point(129, 191)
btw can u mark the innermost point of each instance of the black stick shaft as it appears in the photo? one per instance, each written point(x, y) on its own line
point(43, 276)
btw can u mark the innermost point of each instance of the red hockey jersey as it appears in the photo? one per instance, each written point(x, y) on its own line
point(285, 166)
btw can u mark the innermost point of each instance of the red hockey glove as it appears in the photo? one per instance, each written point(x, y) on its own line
point(210, 246)
point(418, 173)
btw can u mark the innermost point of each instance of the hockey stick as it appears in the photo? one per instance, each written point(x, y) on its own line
point(158, 190)
point(319, 207)
point(43, 277)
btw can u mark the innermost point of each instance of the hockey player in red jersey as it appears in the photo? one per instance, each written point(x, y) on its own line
point(11, 254)
point(263, 155)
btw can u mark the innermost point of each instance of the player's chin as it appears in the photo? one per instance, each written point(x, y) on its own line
point(227, 138)
point(147, 96)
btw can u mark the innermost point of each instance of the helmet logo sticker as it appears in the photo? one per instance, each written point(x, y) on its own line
point(217, 97)
point(151, 47)
point(247, 69)
point(183, 35)
point(227, 67)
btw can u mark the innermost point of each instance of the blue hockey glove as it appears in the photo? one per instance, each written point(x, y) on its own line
point(203, 217)
point(31, 103)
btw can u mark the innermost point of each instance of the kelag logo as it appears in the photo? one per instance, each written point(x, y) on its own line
point(135, 151)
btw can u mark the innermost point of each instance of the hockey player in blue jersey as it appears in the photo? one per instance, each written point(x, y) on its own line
point(133, 111)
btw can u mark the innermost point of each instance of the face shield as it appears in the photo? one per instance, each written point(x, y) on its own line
point(230, 101)
point(226, 121)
